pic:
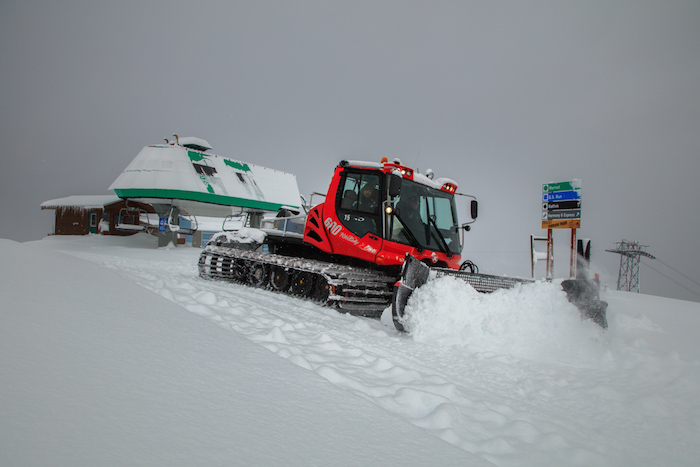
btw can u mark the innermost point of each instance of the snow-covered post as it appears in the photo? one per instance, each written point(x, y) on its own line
point(538, 255)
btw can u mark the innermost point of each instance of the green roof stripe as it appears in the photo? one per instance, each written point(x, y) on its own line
point(198, 196)
point(237, 165)
point(195, 156)
point(198, 157)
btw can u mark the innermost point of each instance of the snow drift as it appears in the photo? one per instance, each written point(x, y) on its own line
point(125, 356)
point(534, 321)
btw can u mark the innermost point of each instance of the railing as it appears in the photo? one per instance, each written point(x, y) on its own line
point(292, 226)
point(134, 215)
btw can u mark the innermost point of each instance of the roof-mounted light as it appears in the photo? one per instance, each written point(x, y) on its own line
point(449, 187)
point(406, 172)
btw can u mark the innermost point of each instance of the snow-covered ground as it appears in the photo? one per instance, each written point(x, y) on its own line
point(119, 354)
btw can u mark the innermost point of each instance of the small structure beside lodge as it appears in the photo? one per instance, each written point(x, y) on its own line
point(103, 214)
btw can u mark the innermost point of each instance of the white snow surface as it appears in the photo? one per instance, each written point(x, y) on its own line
point(114, 352)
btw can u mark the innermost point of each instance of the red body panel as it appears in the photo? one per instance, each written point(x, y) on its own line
point(325, 231)
point(314, 232)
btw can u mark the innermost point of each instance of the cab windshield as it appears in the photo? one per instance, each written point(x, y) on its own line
point(425, 218)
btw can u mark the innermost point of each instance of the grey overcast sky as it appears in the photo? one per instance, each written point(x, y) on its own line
point(500, 96)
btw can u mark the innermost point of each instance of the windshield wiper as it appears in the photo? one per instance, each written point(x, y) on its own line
point(445, 246)
point(411, 238)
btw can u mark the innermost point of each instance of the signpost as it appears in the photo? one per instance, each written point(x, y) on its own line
point(561, 205)
point(561, 209)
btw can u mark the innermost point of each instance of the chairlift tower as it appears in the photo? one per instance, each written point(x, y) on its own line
point(630, 255)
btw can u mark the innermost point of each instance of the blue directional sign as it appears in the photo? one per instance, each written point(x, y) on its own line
point(162, 224)
point(561, 195)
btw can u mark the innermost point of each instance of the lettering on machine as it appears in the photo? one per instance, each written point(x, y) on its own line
point(332, 226)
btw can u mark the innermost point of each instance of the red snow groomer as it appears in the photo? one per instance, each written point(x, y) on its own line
point(375, 238)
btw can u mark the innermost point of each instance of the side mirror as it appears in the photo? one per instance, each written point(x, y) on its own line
point(474, 209)
point(394, 186)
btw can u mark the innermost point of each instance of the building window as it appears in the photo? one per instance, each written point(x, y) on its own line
point(204, 169)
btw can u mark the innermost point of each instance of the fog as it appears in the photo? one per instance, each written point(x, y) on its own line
point(500, 96)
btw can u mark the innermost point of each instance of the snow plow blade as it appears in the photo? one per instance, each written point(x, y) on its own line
point(583, 293)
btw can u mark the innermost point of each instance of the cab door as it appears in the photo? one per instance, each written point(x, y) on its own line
point(358, 206)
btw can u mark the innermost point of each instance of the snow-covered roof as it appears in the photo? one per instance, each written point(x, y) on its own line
point(193, 142)
point(81, 201)
point(180, 173)
point(417, 177)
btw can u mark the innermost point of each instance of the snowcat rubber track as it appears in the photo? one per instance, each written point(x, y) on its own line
point(357, 291)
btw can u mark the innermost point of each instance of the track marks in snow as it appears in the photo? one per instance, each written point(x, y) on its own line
point(326, 342)
point(505, 407)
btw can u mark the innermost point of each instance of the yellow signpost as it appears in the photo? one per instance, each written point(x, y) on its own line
point(572, 224)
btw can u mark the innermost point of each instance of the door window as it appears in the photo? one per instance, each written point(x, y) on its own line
point(359, 203)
